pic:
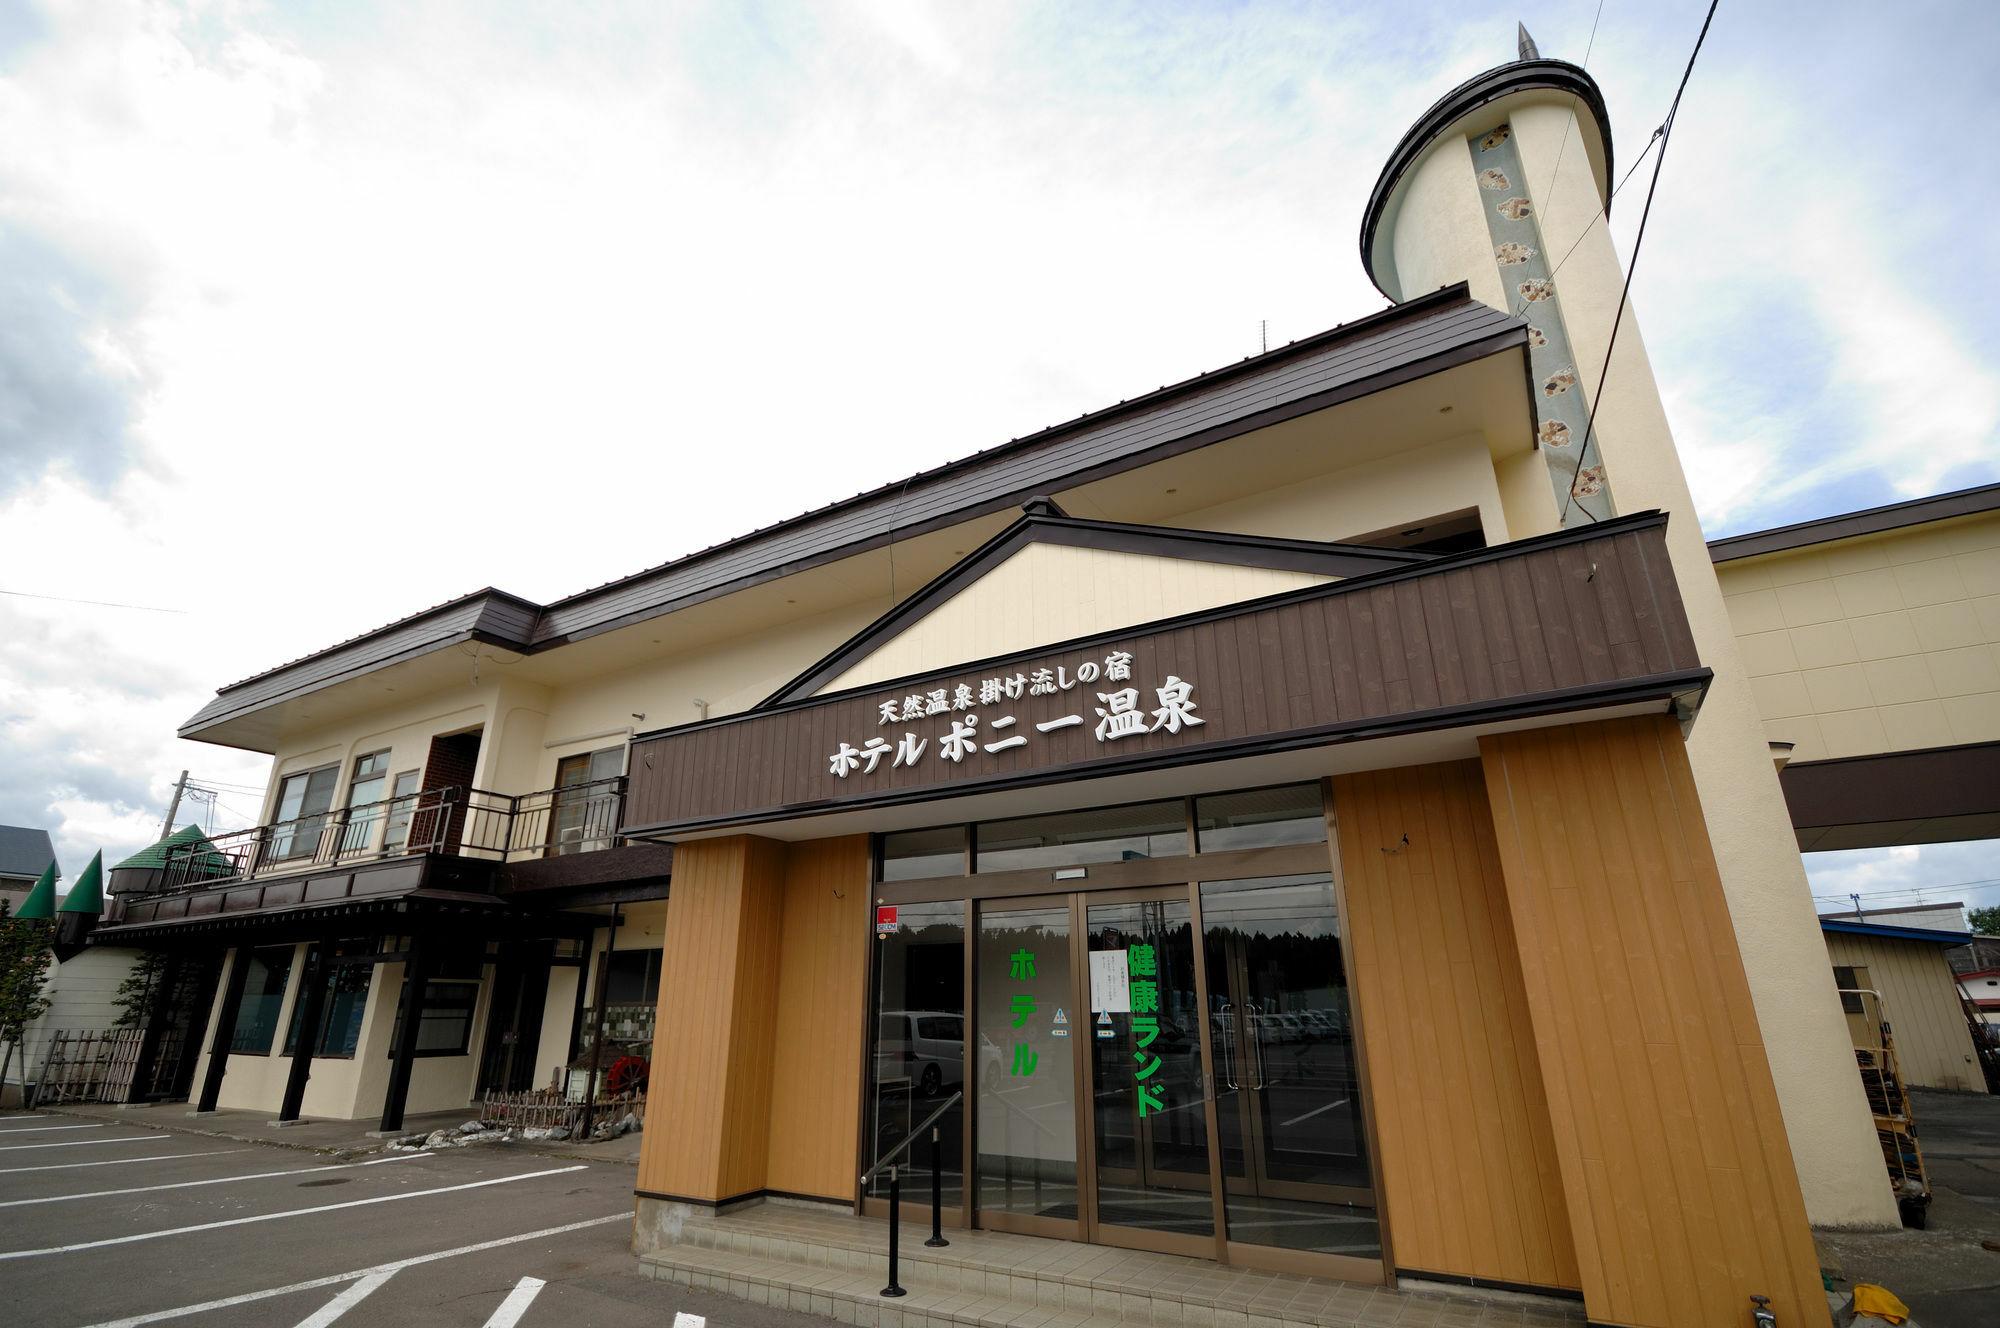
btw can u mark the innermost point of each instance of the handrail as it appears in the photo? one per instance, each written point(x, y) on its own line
point(911, 1138)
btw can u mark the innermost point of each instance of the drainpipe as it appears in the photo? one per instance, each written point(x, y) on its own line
point(597, 1033)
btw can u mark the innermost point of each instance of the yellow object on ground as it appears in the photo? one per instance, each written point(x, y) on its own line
point(1871, 1299)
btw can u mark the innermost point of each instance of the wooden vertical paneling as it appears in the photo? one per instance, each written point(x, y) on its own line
point(1921, 999)
point(708, 1113)
point(1469, 1182)
point(822, 999)
point(1681, 1189)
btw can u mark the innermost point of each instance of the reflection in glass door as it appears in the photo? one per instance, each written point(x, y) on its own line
point(1287, 1092)
point(1026, 1118)
point(1149, 1113)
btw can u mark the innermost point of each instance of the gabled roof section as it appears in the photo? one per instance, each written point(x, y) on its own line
point(155, 855)
point(25, 851)
point(1423, 336)
point(1043, 522)
point(492, 616)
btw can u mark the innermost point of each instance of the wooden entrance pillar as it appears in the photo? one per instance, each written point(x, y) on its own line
point(708, 1108)
point(225, 1029)
point(1677, 1172)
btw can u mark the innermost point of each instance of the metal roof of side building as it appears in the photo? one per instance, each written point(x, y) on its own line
point(25, 851)
point(1848, 525)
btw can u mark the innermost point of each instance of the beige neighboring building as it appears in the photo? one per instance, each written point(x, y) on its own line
point(1872, 641)
point(1909, 968)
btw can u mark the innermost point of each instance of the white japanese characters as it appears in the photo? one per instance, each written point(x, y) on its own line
point(1119, 714)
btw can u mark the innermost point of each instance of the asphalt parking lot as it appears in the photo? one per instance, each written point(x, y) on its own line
point(104, 1224)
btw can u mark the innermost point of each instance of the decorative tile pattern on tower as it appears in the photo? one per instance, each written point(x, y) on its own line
point(1582, 494)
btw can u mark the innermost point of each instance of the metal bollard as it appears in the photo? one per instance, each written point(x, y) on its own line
point(937, 1239)
point(895, 1223)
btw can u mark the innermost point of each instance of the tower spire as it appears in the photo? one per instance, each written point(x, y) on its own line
point(1527, 43)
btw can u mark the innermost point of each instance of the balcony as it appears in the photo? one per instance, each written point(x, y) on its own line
point(462, 821)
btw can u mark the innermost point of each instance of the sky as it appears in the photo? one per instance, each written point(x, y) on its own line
point(313, 315)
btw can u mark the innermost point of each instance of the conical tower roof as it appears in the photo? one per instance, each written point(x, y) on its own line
point(41, 901)
point(87, 895)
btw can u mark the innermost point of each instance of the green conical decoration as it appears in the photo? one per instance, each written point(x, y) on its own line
point(41, 901)
point(87, 895)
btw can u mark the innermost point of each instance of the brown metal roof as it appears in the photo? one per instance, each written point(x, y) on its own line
point(1871, 521)
point(1408, 341)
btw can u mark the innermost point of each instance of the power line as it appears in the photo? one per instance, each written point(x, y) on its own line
point(1606, 212)
point(100, 603)
point(1562, 147)
point(1617, 319)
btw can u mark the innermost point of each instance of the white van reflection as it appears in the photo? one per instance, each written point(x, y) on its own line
point(927, 1046)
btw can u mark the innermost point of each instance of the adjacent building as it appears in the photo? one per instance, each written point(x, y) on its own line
point(1320, 815)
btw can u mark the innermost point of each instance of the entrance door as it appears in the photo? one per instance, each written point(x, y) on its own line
point(1287, 1092)
point(1150, 1131)
point(514, 1028)
point(1135, 1090)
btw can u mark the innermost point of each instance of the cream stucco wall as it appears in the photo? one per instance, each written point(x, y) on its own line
point(81, 992)
point(1770, 903)
point(1452, 476)
point(1883, 643)
point(1053, 592)
point(350, 1087)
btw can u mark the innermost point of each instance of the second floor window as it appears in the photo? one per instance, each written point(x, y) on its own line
point(365, 794)
point(586, 805)
point(303, 801)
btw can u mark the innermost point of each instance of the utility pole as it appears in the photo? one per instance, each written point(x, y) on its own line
point(1857, 907)
point(174, 807)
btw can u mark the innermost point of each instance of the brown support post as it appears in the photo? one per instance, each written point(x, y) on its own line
point(416, 978)
point(312, 1004)
point(597, 1033)
point(225, 1029)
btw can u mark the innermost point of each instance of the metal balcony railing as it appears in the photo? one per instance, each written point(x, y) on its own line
point(465, 821)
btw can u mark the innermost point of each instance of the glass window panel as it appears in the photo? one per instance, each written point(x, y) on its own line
point(1027, 1069)
point(1287, 1091)
point(303, 801)
point(345, 1002)
point(634, 978)
point(1260, 818)
point(1103, 834)
point(1146, 1082)
point(446, 1026)
point(398, 833)
point(914, 855)
point(263, 997)
point(919, 1050)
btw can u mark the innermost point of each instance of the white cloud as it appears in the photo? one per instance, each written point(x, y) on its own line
point(344, 272)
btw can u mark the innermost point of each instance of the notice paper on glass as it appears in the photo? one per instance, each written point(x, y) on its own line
point(1110, 982)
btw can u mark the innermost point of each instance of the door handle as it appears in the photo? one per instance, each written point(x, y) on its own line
point(1228, 1052)
point(1263, 1080)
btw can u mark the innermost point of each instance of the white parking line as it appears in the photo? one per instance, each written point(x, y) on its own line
point(120, 1161)
point(516, 1304)
point(273, 1217)
point(1310, 1114)
point(685, 1320)
point(38, 1129)
point(251, 1297)
point(345, 1301)
point(83, 1143)
point(190, 1184)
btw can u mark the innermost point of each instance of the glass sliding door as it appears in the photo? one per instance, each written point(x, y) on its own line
point(1149, 1113)
point(918, 1048)
point(1026, 1112)
point(1288, 1099)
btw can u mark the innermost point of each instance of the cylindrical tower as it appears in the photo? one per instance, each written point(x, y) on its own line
point(1505, 184)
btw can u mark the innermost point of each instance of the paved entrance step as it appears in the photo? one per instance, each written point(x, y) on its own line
point(835, 1265)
